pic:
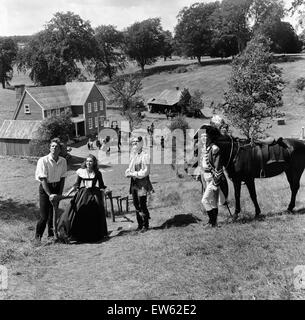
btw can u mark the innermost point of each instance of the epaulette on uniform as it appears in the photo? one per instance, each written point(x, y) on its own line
point(215, 149)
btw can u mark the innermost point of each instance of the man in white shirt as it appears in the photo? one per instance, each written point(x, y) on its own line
point(51, 171)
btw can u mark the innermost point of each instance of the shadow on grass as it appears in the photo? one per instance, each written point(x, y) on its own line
point(14, 210)
point(247, 217)
point(180, 220)
point(216, 61)
point(79, 242)
point(182, 68)
point(287, 58)
point(166, 68)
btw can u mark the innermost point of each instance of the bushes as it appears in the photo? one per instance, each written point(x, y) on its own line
point(179, 123)
point(39, 148)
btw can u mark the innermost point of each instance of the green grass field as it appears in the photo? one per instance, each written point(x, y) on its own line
point(177, 258)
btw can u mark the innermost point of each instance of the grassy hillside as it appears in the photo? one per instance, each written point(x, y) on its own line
point(209, 78)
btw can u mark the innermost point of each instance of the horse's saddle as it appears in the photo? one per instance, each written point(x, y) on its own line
point(270, 151)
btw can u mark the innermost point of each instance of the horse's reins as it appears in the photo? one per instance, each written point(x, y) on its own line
point(231, 152)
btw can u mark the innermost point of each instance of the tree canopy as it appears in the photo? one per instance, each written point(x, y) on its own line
point(109, 57)
point(53, 53)
point(144, 41)
point(8, 53)
point(194, 30)
point(167, 45)
point(125, 90)
point(255, 89)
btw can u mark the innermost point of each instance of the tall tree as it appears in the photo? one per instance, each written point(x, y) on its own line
point(125, 90)
point(168, 44)
point(194, 29)
point(109, 57)
point(52, 55)
point(144, 41)
point(8, 53)
point(255, 89)
point(234, 21)
point(283, 37)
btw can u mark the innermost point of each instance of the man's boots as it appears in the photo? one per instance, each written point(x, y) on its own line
point(214, 217)
point(210, 215)
point(139, 220)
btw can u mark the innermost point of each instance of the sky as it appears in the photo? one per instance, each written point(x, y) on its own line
point(19, 17)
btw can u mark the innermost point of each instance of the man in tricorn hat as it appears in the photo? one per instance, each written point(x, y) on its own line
point(216, 186)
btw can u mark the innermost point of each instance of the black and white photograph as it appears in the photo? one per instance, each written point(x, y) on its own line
point(152, 152)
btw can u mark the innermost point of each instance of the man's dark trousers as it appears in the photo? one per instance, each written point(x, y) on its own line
point(140, 204)
point(46, 210)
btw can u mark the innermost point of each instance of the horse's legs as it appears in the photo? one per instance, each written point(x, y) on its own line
point(237, 186)
point(251, 187)
point(294, 182)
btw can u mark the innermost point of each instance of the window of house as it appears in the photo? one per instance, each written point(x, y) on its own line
point(95, 106)
point(58, 112)
point(101, 105)
point(49, 114)
point(27, 109)
point(89, 107)
point(102, 118)
point(90, 123)
point(96, 122)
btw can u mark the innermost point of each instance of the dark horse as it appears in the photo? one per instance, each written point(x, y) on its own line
point(245, 161)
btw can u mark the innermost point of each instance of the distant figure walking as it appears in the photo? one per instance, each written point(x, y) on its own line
point(118, 130)
point(162, 142)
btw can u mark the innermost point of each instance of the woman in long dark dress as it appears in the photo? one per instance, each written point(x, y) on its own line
point(84, 220)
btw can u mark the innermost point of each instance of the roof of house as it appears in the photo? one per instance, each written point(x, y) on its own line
point(78, 92)
point(70, 94)
point(167, 97)
point(50, 97)
point(19, 129)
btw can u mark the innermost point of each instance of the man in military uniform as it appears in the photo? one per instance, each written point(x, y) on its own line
point(216, 186)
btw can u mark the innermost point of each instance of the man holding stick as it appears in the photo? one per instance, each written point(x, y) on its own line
point(51, 171)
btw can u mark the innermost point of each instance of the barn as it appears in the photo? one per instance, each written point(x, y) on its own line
point(15, 136)
point(167, 100)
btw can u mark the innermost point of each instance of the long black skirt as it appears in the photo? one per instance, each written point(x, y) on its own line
point(84, 220)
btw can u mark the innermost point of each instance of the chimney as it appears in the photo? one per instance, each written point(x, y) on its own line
point(177, 88)
point(19, 92)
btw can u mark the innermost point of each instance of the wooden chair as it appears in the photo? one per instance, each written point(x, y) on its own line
point(127, 201)
point(108, 196)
